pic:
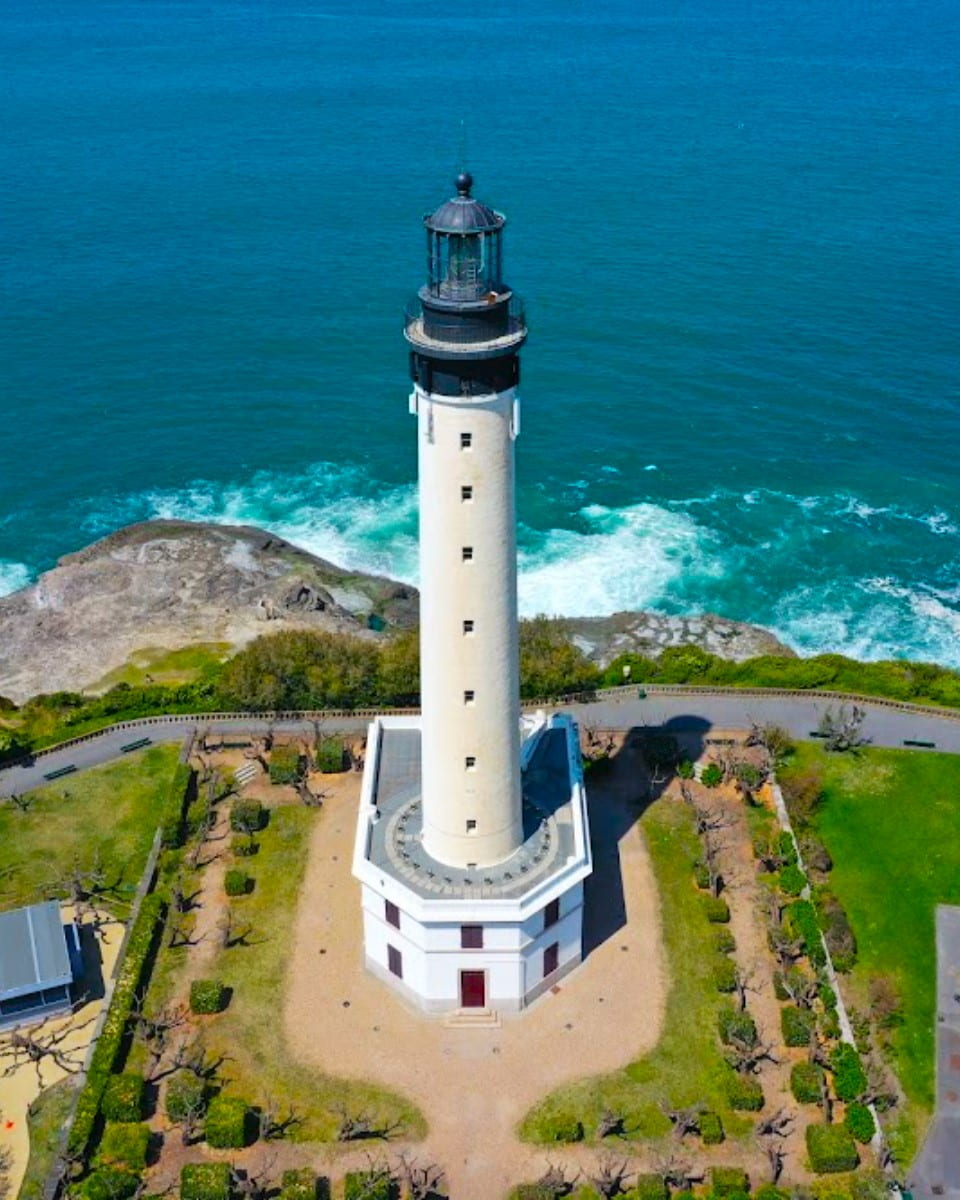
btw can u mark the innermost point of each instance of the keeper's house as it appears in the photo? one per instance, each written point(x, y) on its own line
point(39, 960)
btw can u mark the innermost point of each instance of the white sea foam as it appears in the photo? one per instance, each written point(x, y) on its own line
point(13, 576)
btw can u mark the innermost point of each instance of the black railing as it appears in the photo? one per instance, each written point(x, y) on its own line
point(469, 329)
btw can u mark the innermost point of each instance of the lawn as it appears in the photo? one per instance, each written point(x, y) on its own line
point(686, 1066)
point(108, 812)
point(250, 1031)
point(890, 819)
point(47, 1116)
point(156, 664)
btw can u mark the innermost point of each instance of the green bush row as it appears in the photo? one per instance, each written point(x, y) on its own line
point(205, 1181)
point(236, 882)
point(301, 1183)
point(107, 1049)
point(744, 1092)
point(122, 1098)
point(802, 919)
point(124, 1147)
point(796, 1025)
point(711, 1129)
point(207, 996)
point(831, 1149)
point(174, 809)
point(228, 1124)
point(849, 1080)
point(859, 1120)
point(806, 1080)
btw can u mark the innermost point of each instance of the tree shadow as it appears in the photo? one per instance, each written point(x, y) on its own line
point(636, 775)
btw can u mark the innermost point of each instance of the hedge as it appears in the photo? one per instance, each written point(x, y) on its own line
point(562, 1127)
point(734, 1025)
point(744, 1093)
point(802, 919)
point(831, 1148)
point(797, 1025)
point(178, 795)
point(207, 996)
point(124, 1146)
point(806, 1082)
point(711, 1129)
point(109, 1183)
point(236, 882)
point(712, 775)
point(123, 1098)
point(726, 1180)
point(701, 876)
point(107, 1049)
point(769, 1191)
point(205, 1181)
point(285, 764)
point(725, 975)
point(246, 815)
point(648, 1187)
point(859, 1120)
point(716, 909)
point(725, 942)
point(849, 1080)
point(331, 754)
point(227, 1124)
point(533, 1191)
point(185, 1095)
point(792, 881)
point(787, 848)
point(301, 1183)
point(372, 1185)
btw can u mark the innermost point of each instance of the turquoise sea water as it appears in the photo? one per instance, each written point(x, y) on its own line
point(734, 225)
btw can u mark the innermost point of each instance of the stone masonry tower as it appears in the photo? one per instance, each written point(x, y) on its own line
point(465, 332)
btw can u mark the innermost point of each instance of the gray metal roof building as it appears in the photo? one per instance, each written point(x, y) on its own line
point(37, 954)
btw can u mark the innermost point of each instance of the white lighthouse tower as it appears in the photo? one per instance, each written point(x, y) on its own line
point(472, 842)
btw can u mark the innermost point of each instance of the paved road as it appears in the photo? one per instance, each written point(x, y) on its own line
point(885, 726)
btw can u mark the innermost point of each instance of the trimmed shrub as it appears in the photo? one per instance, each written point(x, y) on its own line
point(849, 1080)
point(712, 775)
point(124, 1146)
point(734, 1025)
point(207, 996)
point(244, 849)
point(205, 1181)
point(701, 875)
point(227, 1124)
point(787, 848)
point(744, 1093)
point(331, 755)
point(237, 882)
point(806, 1080)
point(377, 1185)
point(716, 910)
point(725, 975)
point(769, 1191)
point(828, 997)
point(796, 1024)
point(562, 1127)
point(178, 796)
point(724, 941)
point(123, 1098)
point(532, 1191)
point(286, 764)
point(711, 1129)
point(802, 921)
point(859, 1120)
point(685, 769)
point(792, 881)
point(108, 1045)
point(109, 1183)
point(185, 1096)
point(648, 1187)
point(246, 815)
point(724, 1181)
point(831, 1149)
point(299, 1184)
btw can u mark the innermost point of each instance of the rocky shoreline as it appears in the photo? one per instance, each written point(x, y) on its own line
point(169, 584)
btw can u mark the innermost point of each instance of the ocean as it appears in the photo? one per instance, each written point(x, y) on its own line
point(734, 226)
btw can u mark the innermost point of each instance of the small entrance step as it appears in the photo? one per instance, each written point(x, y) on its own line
point(472, 1018)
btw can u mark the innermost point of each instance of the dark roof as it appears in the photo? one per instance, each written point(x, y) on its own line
point(463, 214)
point(33, 950)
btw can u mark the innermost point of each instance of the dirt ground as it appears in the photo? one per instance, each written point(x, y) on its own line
point(19, 1089)
point(473, 1085)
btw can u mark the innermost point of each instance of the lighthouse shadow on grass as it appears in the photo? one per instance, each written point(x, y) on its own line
point(618, 794)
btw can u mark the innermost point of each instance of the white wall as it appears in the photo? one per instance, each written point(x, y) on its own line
point(483, 590)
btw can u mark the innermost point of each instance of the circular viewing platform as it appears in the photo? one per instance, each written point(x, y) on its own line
point(456, 338)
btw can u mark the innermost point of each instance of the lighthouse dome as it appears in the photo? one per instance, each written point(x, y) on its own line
point(462, 213)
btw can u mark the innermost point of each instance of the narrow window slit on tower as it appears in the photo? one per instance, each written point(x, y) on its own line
point(471, 826)
point(468, 627)
point(470, 762)
point(467, 553)
point(469, 697)
point(466, 441)
point(466, 493)
point(392, 914)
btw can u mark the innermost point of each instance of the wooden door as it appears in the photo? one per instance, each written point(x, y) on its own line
point(473, 989)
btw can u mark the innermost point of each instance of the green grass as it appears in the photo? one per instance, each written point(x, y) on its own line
point(250, 1031)
point(155, 664)
point(46, 1119)
point(686, 1066)
point(110, 811)
point(889, 820)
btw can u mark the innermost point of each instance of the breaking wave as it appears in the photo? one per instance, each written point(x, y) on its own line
point(13, 576)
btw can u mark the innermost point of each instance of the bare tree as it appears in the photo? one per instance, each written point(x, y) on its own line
point(611, 1124)
point(684, 1120)
point(777, 1125)
point(609, 1176)
point(801, 988)
point(745, 1058)
point(842, 730)
point(360, 1126)
point(22, 802)
point(39, 1045)
point(421, 1181)
point(253, 1185)
point(180, 932)
point(230, 934)
point(154, 1031)
point(776, 1156)
point(272, 1125)
point(678, 1173)
point(745, 981)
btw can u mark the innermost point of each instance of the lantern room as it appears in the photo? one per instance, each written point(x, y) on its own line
point(464, 253)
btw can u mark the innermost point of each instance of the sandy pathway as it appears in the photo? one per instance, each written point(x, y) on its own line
point(473, 1085)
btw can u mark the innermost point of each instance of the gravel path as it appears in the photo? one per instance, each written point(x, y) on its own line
point(473, 1085)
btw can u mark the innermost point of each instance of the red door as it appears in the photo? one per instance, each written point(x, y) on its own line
point(473, 989)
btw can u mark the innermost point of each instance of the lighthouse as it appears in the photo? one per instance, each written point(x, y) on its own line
point(472, 837)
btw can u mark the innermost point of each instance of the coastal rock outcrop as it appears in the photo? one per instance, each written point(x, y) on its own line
point(167, 584)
